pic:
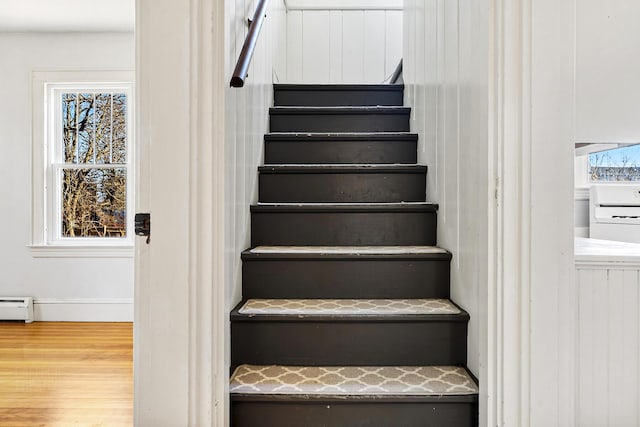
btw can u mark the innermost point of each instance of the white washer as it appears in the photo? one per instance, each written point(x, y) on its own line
point(614, 212)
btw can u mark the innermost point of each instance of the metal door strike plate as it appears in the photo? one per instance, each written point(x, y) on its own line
point(143, 225)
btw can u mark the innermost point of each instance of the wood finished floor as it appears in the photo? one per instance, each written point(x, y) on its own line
point(66, 374)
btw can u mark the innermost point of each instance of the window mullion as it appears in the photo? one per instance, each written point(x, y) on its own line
point(91, 166)
point(111, 131)
point(56, 200)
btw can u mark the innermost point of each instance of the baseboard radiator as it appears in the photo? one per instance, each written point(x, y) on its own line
point(16, 308)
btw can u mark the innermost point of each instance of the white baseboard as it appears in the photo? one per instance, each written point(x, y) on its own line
point(83, 310)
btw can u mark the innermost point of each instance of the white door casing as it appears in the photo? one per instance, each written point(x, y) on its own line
point(179, 292)
point(531, 313)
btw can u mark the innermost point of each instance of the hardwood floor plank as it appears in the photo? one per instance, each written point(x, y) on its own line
point(66, 374)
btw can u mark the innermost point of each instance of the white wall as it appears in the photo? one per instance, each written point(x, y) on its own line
point(607, 69)
point(246, 122)
point(342, 46)
point(446, 74)
point(581, 214)
point(607, 87)
point(581, 195)
point(63, 288)
point(608, 343)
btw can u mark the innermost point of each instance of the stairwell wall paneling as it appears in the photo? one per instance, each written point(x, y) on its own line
point(88, 288)
point(473, 77)
point(607, 66)
point(446, 63)
point(608, 344)
point(246, 122)
point(342, 46)
point(247, 111)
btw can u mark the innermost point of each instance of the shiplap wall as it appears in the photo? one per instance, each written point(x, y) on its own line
point(608, 364)
point(247, 113)
point(446, 73)
point(342, 46)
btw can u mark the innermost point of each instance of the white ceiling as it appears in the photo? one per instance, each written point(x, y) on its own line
point(67, 15)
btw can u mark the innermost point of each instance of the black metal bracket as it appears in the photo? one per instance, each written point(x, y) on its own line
point(143, 225)
point(250, 21)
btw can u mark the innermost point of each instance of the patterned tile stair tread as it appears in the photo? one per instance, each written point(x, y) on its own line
point(343, 166)
point(352, 381)
point(365, 250)
point(347, 204)
point(332, 307)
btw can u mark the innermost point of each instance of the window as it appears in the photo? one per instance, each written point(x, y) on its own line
point(83, 156)
point(615, 165)
point(89, 165)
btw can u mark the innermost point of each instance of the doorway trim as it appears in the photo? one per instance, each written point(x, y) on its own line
point(180, 338)
point(531, 313)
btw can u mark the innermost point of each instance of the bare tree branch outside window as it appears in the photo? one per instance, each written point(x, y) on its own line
point(94, 175)
point(615, 165)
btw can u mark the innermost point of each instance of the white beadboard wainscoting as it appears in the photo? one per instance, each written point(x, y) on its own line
point(608, 335)
point(342, 46)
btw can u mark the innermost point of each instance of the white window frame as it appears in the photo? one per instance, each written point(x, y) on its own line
point(47, 240)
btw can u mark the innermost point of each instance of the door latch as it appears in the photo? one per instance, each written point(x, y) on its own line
point(143, 225)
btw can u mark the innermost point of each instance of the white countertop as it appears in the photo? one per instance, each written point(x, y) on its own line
point(594, 250)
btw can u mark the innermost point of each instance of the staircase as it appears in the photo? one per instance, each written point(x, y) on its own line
point(346, 318)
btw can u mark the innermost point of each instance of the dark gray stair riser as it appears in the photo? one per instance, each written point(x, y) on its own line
point(308, 129)
point(351, 413)
point(333, 150)
point(349, 343)
point(335, 278)
point(307, 120)
point(343, 228)
point(337, 95)
point(342, 187)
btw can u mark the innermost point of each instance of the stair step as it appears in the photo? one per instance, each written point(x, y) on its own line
point(339, 119)
point(350, 381)
point(342, 183)
point(352, 396)
point(347, 307)
point(350, 309)
point(345, 272)
point(343, 224)
point(351, 251)
point(346, 319)
point(337, 95)
point(296, 148)
point(343, 168)
point(349, 332)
